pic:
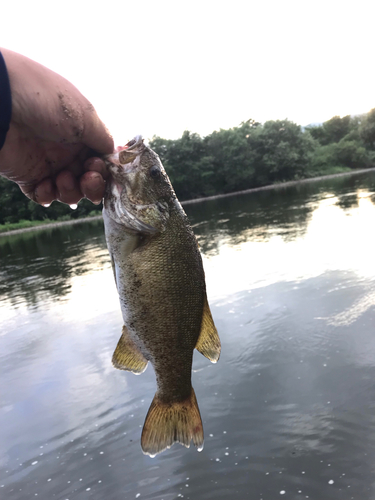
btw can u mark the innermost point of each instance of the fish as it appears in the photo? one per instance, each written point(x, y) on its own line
point(161, 285)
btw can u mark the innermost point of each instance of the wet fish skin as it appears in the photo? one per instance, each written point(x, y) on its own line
point(161, 284)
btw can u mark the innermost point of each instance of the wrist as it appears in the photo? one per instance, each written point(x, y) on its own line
point(5, 101)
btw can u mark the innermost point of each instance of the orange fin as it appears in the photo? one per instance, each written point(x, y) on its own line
point(208, 342)
point(169, 423)
point(127, 356)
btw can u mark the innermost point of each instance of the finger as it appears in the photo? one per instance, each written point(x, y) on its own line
point(68, 190)
point(93, 186)
point(96, 165)
point(44, 193)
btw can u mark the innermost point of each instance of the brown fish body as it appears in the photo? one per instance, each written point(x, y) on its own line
point(160, 280)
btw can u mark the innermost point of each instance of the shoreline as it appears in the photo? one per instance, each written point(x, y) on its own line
point(279, 185)
point(52, 225)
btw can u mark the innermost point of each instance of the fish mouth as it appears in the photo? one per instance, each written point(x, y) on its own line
point(134, 143)
point(127, 154)
point(125, 161)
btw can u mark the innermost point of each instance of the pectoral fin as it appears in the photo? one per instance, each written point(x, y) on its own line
point(208, 342)
point(127, 356)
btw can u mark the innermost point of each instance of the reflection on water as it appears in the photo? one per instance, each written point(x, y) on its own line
point(36, 266)
point(289, 409)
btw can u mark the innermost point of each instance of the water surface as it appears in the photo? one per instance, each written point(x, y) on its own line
point(289, 410)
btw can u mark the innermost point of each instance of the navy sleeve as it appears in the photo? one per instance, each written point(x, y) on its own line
point(5, 101)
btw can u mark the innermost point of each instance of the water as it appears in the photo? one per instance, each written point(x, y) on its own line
point(289, 410)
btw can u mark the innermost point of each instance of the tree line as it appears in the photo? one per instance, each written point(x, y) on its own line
point(250, 155)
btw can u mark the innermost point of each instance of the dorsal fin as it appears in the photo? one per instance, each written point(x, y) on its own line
point(127, 356)
point(208, 342)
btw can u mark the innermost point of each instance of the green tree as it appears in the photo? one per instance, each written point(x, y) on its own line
point(282, 151)
point(187, 163)
point(13, 203)
point(14, 206)
point(332, 130)
point(367, 130)
point(233, 157)
point(336, 128)
point(350, 154)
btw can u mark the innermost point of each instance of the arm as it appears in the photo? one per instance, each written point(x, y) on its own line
point(53, 133)
point(5, 102)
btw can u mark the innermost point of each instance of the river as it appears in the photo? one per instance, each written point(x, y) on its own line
point(289, 410)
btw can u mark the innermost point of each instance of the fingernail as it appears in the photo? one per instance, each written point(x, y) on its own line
point(96, 183)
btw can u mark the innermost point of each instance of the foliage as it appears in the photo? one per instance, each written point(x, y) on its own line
point(21, 224)
point(231, 166)
point(367, 130)
point(332, 130)
point(234, 159)
point(14, 207)
point(186, 161)
point(282, 152)
point(250, 155)
point(350, 154)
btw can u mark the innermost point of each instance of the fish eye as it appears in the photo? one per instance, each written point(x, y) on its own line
point(154, 171)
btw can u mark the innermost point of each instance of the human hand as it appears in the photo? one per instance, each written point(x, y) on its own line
point(54, 138)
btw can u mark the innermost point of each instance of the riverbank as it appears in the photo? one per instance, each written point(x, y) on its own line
point(53, 224)
point(50, 225)
point(279, 185)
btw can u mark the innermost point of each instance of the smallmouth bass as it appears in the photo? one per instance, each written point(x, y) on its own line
point(161, 285)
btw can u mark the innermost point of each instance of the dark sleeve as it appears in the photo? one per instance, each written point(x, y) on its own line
point(5, 101)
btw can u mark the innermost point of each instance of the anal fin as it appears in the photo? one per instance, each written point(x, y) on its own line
point(127, 356)
point(208, 342)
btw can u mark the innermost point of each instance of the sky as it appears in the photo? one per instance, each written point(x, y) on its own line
point(161, 67)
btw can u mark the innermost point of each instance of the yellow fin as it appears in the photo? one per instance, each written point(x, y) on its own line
point(169, 423)
point(127, 356)
point(208, 342)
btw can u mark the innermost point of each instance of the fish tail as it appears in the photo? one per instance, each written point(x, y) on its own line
point(169, 423)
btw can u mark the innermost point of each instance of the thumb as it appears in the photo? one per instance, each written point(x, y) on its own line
point(95, 134)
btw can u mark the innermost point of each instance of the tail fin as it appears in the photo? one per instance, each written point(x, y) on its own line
point(169, 423)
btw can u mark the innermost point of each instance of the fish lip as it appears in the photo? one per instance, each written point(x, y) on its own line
point(132, 148)
point(134, 143)
point(113, 159)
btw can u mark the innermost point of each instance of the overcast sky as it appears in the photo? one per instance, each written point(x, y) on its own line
point(161, 67)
